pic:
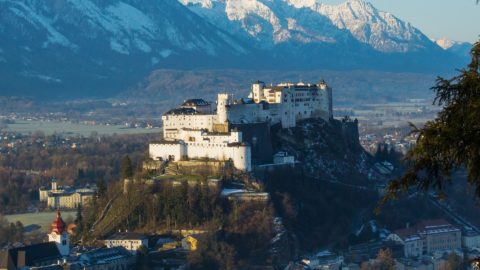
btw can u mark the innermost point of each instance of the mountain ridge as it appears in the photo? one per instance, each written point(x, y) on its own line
point(93, 48)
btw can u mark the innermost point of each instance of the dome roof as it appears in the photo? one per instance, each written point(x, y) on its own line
point(195, 102)
point(58, 225)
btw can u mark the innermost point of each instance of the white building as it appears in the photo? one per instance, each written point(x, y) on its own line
point(202, 144)
point(428, 237)
point(411, 241)
point(283, 158)
point(471, 239)
point(195, 130)
point(130, 241)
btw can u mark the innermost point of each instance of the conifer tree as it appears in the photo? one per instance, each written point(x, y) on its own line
point(452, 140)
point(126, 168)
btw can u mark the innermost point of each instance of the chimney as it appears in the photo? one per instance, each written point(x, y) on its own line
point(21, 258)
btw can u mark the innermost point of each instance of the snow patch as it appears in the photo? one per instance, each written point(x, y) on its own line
point(118, 47)
point(165, 53)
point(446, 44)
point(53, 36)
point(42, 77)
point(202, 3)
point(140, 44)
point(132, 19)
point(154, 61)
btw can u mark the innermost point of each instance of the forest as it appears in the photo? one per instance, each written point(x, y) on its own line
point(36, 159)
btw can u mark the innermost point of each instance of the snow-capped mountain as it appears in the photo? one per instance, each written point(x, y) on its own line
point(446, 43)
point(108, 40)
point(268, 23)
point(126, 27)
point(462, 49)
point(100, 47)
point(310, 21)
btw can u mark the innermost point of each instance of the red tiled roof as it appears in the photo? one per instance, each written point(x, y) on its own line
point(58, 225)
point(405, 233)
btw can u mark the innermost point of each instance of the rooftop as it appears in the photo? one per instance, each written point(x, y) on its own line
point(432, 226)
point(181, 111)
point(195, 102)
point(35, 254)
point(127, 236)
point(106, 254)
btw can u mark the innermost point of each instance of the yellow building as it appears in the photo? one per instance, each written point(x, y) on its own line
point(190, 242)
point(65, 197)
point(69, 199)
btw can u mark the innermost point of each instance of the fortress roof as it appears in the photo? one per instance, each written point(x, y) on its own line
point(195, 102)
point(181, 111)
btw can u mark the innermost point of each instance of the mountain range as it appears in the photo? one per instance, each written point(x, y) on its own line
point(71, 48)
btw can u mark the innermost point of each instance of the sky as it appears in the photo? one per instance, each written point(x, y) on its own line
point(453, 19)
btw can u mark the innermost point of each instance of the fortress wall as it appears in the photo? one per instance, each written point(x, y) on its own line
point(176, 151)
point(194, 121)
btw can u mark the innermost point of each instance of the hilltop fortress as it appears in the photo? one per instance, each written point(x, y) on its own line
point(198, 130)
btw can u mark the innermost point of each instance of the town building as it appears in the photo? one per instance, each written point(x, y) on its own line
point(283, 158)
point(32, 256)
point(190, 242)
point(428, 237)
point(471, 239)
point(65, 197)
point(412, 242)
point(130, 241)
point(116, 258)
point(59, 235)
point(195, 130)
point(324, 260)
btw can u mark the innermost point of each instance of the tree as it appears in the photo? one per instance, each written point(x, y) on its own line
point(454, 262)
point(101, 187)
point(452, 140)
point(384, 261)
point(126, 168)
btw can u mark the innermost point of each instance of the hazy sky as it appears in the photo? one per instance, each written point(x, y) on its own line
point(453, 19)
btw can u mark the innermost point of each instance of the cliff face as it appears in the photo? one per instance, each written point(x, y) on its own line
point(326, 150)
point(328, 194)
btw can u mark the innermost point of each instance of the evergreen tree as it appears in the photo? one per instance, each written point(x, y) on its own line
point(79, 221)
point(101, 187)
point(452, 140)
point(126, 168)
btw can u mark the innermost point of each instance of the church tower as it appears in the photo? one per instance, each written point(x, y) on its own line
point(59, 235)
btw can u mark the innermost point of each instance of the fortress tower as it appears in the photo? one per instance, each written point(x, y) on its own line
point(223, 101)
point(59, 235)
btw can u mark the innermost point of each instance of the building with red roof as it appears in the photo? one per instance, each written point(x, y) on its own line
point(59, 235)
point(427, 237)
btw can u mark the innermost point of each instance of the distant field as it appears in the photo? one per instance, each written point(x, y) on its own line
point(44, 219)
point(71, 129)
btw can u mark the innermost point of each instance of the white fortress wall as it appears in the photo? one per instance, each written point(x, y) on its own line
point(166, 151)
point(204, 137)
point(247, 113)
point(240, 154)
point(192, 121)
